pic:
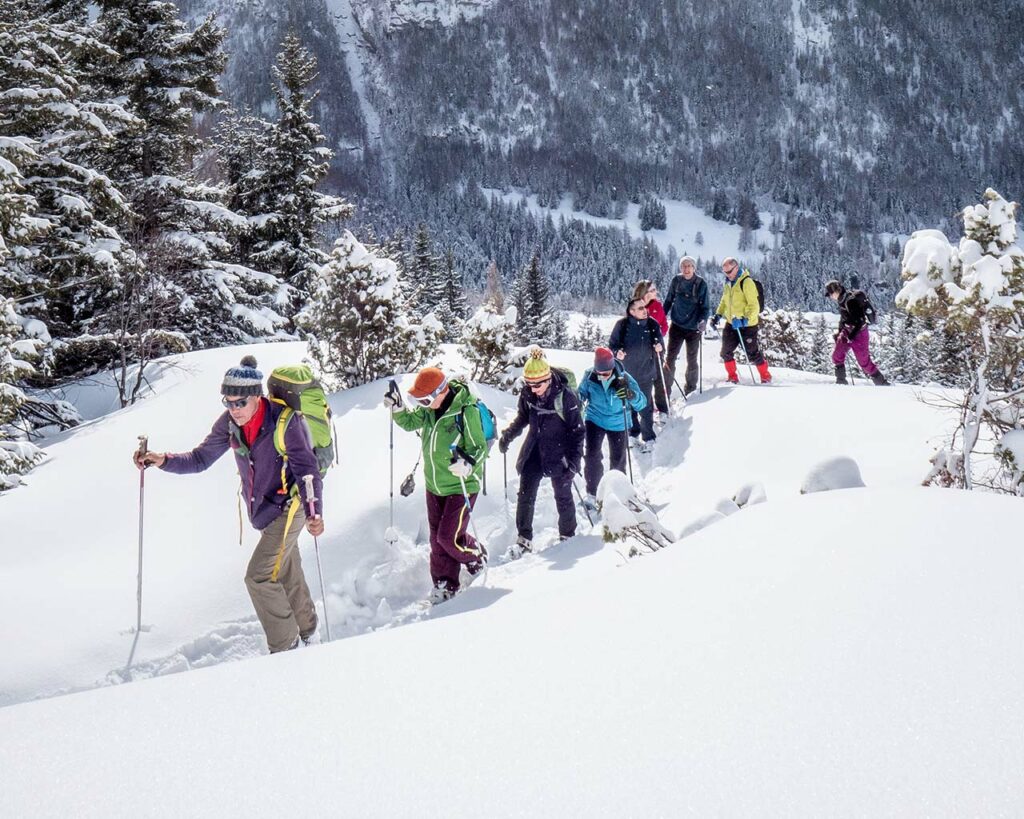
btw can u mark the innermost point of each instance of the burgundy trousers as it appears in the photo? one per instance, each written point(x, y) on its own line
point(451, 545)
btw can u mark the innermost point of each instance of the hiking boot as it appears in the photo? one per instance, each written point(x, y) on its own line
point(440, 593)
point(762, 370)
point(841, 374)
point(647, 447)
point(878, 379)
point(519, 548)
point(590, 502)
point(688, 388)
point(313, 635)
point(730, 371)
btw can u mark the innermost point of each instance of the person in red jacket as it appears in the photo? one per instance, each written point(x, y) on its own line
point(647, 291)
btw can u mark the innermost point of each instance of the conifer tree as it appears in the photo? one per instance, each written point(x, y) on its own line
point(821, 345)
point(294, 164)
point(52, 129)
point(183, 232)
point(356, 327)
point(488, 343)
point(17, 455)
point(425, 270)
point(535, 292)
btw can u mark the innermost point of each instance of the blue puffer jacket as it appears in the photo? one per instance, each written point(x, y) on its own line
point(688, 302)
point(604, 407)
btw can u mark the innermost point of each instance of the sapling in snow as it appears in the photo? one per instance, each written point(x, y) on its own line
point(978, 288)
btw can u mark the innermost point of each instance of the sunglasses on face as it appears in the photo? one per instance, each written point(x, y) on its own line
point(427, 400)
point(236, 403)
point(536, 385)
point(604, 374)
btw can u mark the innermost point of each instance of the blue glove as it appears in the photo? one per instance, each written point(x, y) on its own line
point(738, 322)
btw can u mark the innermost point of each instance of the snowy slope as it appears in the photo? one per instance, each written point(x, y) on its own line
point(70, 575)
point(683, 221)
point(778, 664)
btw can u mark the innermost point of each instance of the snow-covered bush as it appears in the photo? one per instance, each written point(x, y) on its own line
point(978, 288)
point(357, 328)
point(487, 343)
point(832, 473)
point(628, 519)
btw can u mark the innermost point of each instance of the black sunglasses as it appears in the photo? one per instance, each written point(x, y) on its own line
point(236, 404)
point(536, 384)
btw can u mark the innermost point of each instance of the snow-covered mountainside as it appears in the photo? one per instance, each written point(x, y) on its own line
point(847, 652)
point(857, 107)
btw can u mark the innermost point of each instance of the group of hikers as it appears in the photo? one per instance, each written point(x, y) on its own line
point(566, 428)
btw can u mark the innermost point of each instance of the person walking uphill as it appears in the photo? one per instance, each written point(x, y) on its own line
point(553, 448)
point(275, 494)
point(688, 306)
point(647, 292)
point(740, 307)
point(855, 311)
point(637, 342)
point(447, 419)
point(607, 395)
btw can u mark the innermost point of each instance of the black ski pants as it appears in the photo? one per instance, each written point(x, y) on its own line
point(731, 340)
point(593, 469)
point(643, 421)
point(529, 483)
point(676, 337)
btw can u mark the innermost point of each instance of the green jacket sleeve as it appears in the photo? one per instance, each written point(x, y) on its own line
point(411, 420)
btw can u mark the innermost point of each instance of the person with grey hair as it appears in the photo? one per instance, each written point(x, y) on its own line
point(688, 306)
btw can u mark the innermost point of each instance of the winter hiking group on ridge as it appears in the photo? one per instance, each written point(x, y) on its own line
point(282, 464)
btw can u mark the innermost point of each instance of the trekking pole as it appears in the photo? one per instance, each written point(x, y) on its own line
point(392, 388)
point(580, 496)
point(311, 503)
point(746, 356)
point(626, 425)
point(700, 361)
point(664, 388)
point(143, 449)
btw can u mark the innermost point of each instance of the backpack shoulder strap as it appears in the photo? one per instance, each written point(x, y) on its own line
point(279, 431)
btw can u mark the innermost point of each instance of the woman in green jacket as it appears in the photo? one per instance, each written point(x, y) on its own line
point(447, 419)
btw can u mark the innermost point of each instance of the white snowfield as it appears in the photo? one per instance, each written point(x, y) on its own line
point(850, 652)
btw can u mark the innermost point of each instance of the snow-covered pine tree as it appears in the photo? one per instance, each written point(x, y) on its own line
point(488, 342)
point(535, 292)
point(819, 356)
point(451, 312)
point(17, 454)
point(183, 233)
point(978, 288)
point(293, 165)
point(52, 128)
point(784, 338)
point(424, 268)
point(356, 328)
point(587, 337)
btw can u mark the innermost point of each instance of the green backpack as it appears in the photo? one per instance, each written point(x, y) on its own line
point(300, 393)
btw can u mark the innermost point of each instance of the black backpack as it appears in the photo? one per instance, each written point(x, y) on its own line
point(760, 293)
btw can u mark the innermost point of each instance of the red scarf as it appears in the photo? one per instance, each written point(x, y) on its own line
point(252, 427)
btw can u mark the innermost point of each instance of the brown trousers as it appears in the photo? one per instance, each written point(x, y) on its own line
point(277, 585)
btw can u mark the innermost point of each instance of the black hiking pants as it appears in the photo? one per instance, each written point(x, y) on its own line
point(529, 483)
point(643, 421)
point(676, 337)
point(731, 340)
point(593, 469)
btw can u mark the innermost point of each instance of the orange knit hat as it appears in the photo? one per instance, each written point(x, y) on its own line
point(429, 381)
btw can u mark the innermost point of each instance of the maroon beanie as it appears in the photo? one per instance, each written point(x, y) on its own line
point(603, 359)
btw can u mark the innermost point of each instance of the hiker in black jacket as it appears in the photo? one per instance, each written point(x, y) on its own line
point(637, 342)
point(688, 306)
point(855, 313)
point(554, 447)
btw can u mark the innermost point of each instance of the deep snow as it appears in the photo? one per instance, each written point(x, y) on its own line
point(847, 652)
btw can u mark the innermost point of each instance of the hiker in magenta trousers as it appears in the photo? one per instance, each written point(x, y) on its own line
point(855, 313)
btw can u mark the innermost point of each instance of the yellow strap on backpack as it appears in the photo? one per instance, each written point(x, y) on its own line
point(292, 509)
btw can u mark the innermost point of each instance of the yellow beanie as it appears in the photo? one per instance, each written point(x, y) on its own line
point(536, 368)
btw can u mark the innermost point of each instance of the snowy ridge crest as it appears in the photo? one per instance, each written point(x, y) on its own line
point(391, 15)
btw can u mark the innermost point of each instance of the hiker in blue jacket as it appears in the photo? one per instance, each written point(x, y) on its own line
point(609, 393)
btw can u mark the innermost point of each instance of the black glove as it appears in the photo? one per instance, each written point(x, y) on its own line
point(624, 392)
point(503, 443)
point(714, 321)
point(571, 466)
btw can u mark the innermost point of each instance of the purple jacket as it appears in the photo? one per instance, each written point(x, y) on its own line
point(260, 467)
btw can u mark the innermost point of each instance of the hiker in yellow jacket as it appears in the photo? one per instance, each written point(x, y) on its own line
point(740, 308)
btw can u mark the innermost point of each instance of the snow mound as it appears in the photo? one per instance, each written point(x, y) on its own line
point(832, 473)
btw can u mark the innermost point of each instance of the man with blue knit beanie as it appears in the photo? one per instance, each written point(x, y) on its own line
point(275, 497)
